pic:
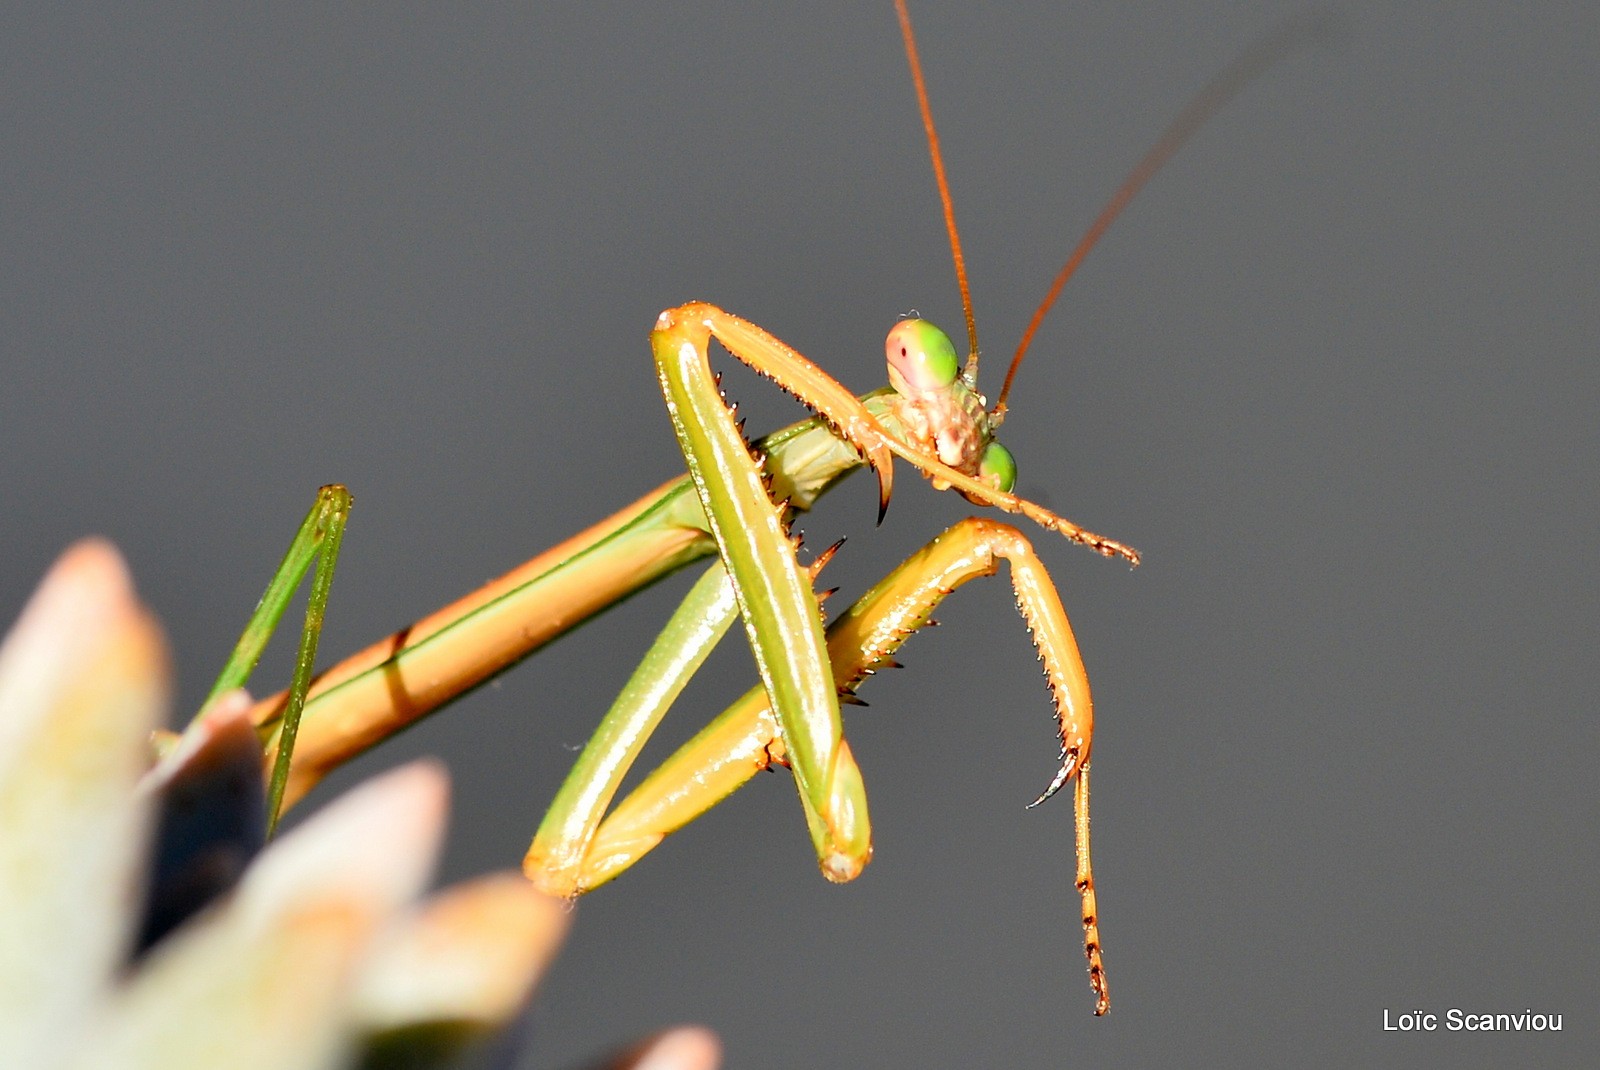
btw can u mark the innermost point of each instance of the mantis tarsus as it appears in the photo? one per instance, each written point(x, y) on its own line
point(736, 503)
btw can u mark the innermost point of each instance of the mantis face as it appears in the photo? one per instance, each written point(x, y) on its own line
point(940, 410)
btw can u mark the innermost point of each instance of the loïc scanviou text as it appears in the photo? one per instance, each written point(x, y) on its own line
point(1457, 1020)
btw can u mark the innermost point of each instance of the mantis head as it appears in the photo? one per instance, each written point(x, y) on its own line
point(939, 409)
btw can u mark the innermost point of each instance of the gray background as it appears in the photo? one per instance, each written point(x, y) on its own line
point(1335, 374)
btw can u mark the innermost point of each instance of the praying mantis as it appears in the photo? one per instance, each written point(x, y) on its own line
point(736, 504)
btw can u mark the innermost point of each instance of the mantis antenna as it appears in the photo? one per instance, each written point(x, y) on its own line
point(971, 372)
point(1207, 102)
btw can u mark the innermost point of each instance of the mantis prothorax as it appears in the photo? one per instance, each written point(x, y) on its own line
point(736, 502)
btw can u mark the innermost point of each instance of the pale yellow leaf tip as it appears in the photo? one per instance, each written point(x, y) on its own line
point(82, 622)
point(688, 1047)
point(471, 954)
point(377, 841)
point(83, 680)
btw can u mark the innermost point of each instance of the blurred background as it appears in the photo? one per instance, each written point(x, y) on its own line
point(1334, 373)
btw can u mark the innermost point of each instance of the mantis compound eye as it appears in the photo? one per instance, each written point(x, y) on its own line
point(922, 359)
point(998, 468)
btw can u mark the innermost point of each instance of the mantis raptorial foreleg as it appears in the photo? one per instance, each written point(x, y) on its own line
point(774, 599)
point(576, 851)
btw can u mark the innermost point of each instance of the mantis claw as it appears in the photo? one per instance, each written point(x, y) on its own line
point(1069, 765)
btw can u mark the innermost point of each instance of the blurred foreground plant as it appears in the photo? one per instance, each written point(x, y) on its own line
point(312, 955)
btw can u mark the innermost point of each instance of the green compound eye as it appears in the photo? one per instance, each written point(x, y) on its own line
point(921, 358)
point(998, 468)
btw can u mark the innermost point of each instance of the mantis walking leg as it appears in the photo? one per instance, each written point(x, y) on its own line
point(317, 540)
point(555, 860)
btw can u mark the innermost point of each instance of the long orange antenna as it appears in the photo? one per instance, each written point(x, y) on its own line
point(944, 186)
point(1206, 103)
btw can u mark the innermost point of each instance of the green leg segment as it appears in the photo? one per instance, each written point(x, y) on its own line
point(702, 619)
point(317, 540)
